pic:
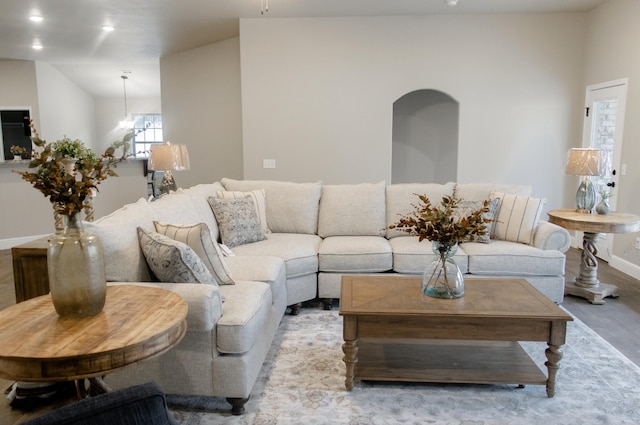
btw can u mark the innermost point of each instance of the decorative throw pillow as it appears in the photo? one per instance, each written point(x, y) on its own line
point(517, 217)
point(466, 208)
point(259, 202)
point(198, 237)
point(237, 221)
point(172, 261)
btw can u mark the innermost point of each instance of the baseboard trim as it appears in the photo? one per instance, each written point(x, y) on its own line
point(625, 266)
point(10, 243)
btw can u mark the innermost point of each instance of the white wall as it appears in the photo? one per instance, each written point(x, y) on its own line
point(613, 53)
point(317, 94)
point(201, 108)
point(65, 109)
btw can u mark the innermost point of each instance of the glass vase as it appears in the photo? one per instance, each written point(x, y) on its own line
point(603, 207)
point(77, 276)
point(443, 278)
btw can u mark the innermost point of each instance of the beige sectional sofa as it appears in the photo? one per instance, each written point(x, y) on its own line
point(314, 234)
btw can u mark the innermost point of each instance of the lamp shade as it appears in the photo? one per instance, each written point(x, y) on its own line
point(169, 157)
point(584, 162)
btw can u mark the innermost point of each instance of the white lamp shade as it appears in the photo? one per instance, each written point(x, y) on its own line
point(584, 162)
point(169, 157)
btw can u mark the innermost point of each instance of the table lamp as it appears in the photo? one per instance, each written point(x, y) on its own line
point(168, 157)
point(585, 162)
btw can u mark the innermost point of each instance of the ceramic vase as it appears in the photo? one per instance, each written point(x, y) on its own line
point(443, 278)
point(77, 276)
point(603, 206)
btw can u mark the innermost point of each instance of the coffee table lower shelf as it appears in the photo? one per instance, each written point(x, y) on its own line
point(446, 361)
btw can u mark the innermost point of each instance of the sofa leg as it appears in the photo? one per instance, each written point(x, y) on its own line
point(237, 405)
point(328, 303)
point(295, 309)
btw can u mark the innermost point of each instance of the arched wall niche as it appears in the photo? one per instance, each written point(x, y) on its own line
point(425, 138)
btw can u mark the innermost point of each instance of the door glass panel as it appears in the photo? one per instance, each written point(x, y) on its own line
point(603, 132)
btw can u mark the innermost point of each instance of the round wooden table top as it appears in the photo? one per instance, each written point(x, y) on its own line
point(614, 222)
point(137, 323)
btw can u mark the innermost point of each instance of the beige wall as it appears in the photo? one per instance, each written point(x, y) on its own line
point(317, 94)
point(613, 53)
point(201, 108)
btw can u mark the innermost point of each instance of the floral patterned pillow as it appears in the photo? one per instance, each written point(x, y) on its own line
point(237, 220)
point(172, 261)
point(466, 208)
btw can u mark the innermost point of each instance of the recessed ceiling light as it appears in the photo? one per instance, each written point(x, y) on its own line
point(35, 18)
point(107, 28)
point(36, 46)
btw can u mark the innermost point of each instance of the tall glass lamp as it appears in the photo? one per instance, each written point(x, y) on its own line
point(168, 158)
point(585, 162)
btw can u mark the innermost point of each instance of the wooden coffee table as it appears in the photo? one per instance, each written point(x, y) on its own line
point(137, 323)
point(392, 332)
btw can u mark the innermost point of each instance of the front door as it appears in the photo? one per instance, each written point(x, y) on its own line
point(603, 126)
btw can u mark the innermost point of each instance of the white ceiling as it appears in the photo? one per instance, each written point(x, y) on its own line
point(146, 30)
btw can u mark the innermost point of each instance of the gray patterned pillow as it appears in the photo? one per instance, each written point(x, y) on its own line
point(466, 208)
point(237, 221)
point(172, 261)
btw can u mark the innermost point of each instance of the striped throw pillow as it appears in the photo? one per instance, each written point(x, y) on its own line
point(517, 217)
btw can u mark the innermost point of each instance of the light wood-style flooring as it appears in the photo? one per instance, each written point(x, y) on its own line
point(617, 321)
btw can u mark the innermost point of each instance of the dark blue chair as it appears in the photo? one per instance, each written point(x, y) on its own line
point(139, 405)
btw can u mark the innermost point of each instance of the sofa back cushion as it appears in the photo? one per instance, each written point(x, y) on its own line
point(124, 261)
point(402, 197)
point(291, 207)
point(352, 210)
point(199, 195)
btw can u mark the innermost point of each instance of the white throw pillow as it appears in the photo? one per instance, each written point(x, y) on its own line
point(199, 238)
point(237, 221)
point(258, 196)
point(172, 261)
point(517, 217)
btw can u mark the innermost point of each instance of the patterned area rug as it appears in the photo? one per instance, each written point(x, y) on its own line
point(302, 382)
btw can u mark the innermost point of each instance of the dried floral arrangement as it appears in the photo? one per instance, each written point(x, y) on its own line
point(67, 172)
point(440, 223)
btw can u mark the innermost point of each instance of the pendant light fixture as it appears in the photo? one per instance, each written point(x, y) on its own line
point(126, 122)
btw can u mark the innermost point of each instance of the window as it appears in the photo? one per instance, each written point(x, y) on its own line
point(147, 131)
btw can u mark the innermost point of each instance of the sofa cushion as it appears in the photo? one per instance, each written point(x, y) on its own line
point(258, 197)
point(512, 259)
point(355, 254)
point(352, 210)
point(199, 238)
point(175, 208)
point(237, 220)
point(517, 217)
point(199, 195)
point(291, 207)
point(412, 257)
point(261, 268)
point(246, 307)
point(400, 199)
point(124, 261)
point(172, 261)
point(299, 251)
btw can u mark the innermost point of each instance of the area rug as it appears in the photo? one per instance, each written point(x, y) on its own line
point(302, 382)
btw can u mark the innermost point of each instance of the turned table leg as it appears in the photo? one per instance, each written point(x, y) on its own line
point(587, 284)
point(554, 354)
point(350, 349)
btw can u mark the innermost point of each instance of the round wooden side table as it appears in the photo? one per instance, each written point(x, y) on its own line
point(586, 284)
point(137, 323)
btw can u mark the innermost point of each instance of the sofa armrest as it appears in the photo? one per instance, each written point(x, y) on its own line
point(550, 236)
point(204, 301)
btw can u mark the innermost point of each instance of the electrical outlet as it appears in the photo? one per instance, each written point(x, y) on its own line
point(268, 163)
point(637, 243)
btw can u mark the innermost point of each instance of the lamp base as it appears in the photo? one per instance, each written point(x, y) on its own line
point(168, 183)
point(585, 196)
